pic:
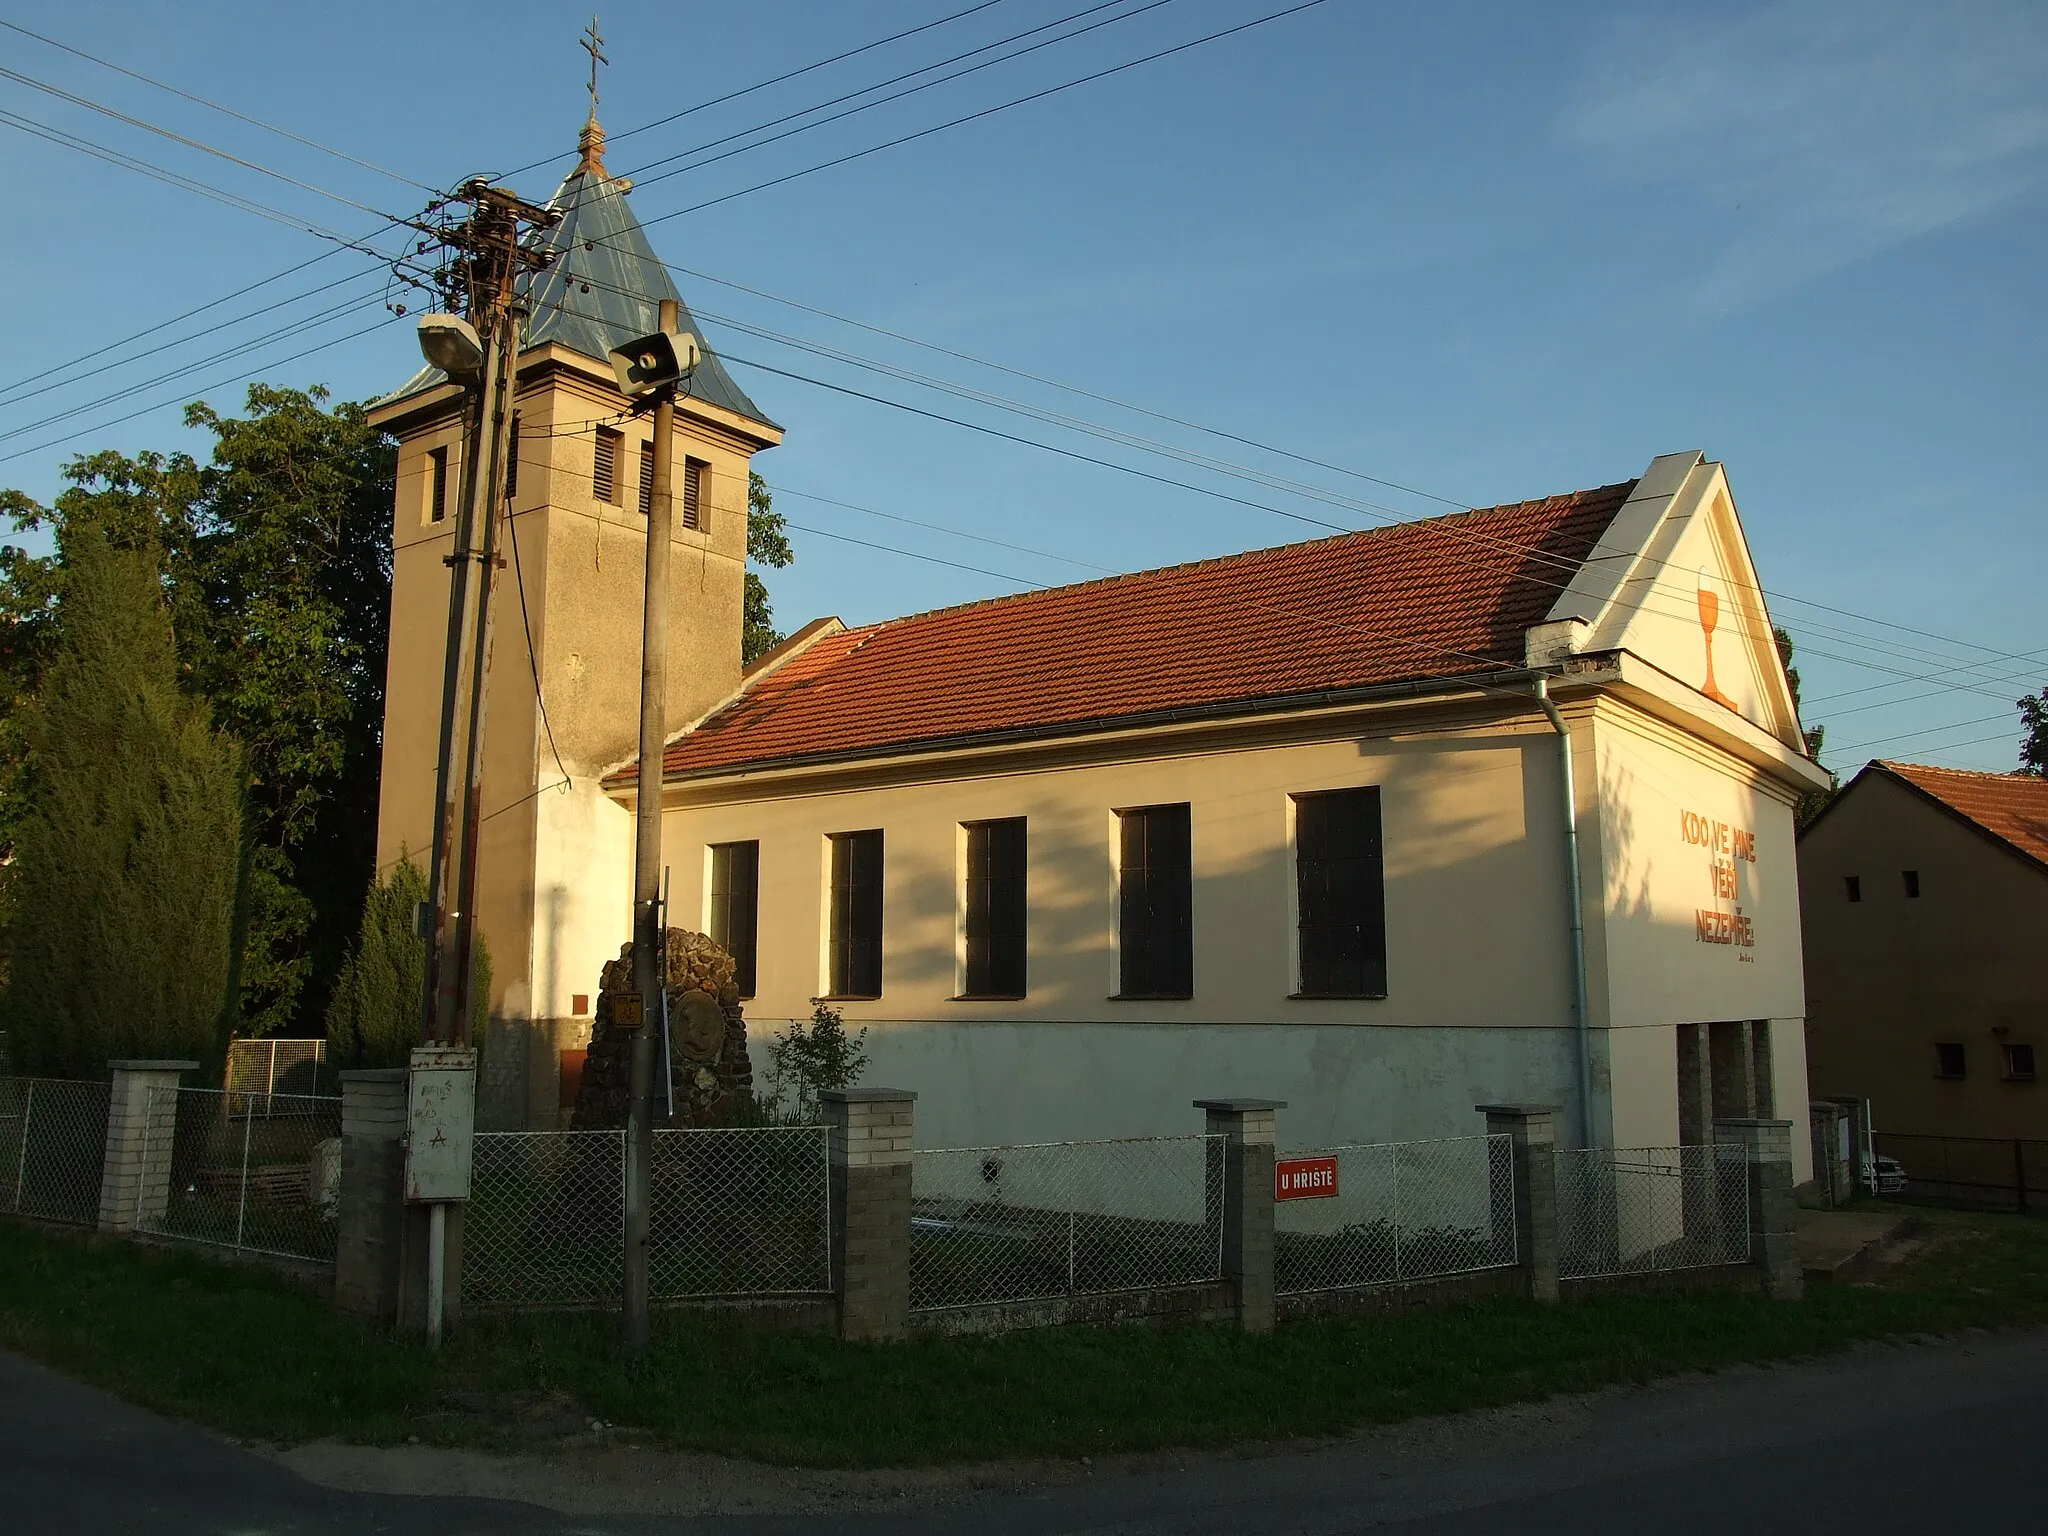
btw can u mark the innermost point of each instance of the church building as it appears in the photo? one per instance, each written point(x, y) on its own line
point(1288, 824)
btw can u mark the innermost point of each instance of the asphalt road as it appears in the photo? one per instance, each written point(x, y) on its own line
point(1927, 1439)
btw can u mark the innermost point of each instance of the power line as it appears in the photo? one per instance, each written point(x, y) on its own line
point(640, 178)
point(239, 378)
point(1040, 95)
point(222, 325)
point(258, 122)
point(762, 85)
point(178, 138)
point(183, 182)
point(346, 306)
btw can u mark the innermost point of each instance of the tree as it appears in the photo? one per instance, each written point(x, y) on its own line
point(767, 544)
point(276, 571)
point(374, 1017)
point(2034, 746)
point(129, 844)
point(1814, 801)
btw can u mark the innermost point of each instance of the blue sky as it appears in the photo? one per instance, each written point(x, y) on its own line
point(1486, 251)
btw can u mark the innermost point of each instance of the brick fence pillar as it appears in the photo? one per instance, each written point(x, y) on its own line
point(1773, 1217)
point(868, 1132)
point(142, 1114)
point(1249, 1128)
point(1532, 1133)
point(370, 1214)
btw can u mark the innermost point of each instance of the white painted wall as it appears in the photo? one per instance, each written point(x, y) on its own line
point(583, 893)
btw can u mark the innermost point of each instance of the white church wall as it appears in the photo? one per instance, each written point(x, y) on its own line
point(583, 893)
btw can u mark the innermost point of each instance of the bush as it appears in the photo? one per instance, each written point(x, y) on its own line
point(375, 1017)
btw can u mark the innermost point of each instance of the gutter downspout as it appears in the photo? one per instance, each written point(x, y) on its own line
point(1575, 899)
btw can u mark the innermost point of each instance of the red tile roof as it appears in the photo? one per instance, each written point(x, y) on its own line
point(2012, 807)
point(1435, 599)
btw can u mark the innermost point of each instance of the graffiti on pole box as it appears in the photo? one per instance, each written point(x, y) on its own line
point(1304, 1178)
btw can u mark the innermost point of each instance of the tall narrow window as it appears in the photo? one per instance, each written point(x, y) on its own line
point(437, 494)
point(694, 476)
point(604, 473)
point(647, 479)
point(854, 943)
point(1911, 878)
point(512, 461)
point(1155, 903)
point(1853, 884)
point(735, 906)
point(1950, 1060)
point(995, 908)
point(1340, 894)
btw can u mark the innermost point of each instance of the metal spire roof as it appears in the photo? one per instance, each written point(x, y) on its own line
point(605, 284)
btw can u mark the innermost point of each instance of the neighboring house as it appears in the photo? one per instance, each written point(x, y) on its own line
point(1925, 897)
point(1288, 823)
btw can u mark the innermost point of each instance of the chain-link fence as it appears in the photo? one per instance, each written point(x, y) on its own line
point(1637, 1210)
point(53, 1144)
point(264, 1067)
point(1411, 1210)
point(545, 1224)
point(731, 1213)
point(257, 1173)
point(993, 1224)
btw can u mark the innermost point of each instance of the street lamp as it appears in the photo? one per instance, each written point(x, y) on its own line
point(449, 342)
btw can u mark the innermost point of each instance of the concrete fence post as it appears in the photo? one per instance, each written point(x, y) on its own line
point(1532, 1133)
point(1773, 1217)
point(1249, 1128)
point(370, 1212)
point(868, 1133)
point(142, 1115)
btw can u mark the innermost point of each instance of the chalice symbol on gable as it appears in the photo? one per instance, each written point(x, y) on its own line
point(1710, 616)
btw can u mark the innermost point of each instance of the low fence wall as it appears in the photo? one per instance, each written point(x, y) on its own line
point(847, 1223)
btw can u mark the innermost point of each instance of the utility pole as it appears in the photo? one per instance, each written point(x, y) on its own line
point(491, 257)
point(647, 915)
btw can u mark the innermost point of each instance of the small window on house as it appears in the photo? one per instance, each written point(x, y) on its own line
point(2019, 1063)
point(512, 461)
point(735, 906)
point(604, 473)
point(995, 915)
point(1950, 1060)
point(1155, 903)
point(854, 942)
point(695, 474)
point(437, 493)
point(1340, 894)
point(1912, 879)
point(647, 479)
point(1853, 884)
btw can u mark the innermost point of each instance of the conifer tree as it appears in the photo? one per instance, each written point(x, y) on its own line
point(130, 845)
point(374, 1019)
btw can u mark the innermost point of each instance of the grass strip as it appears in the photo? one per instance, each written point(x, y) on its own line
point(248, 1353)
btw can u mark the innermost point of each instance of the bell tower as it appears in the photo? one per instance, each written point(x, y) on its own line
point(555, 853)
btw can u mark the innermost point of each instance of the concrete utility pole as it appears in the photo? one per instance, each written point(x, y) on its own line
point(647, 915)
point(492, 257)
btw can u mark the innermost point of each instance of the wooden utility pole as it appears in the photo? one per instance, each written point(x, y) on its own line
point(647, 915)
point(491, 258)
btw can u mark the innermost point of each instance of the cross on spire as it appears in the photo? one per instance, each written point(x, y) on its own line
point(592, 43)
point(590, 143)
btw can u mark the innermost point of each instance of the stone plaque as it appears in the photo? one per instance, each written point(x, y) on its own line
point(699, 1026)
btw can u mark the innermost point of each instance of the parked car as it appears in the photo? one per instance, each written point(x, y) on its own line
point(1883, 1176)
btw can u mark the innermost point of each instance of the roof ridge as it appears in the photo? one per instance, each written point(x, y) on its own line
point(2007, 775)
point(866, 631)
